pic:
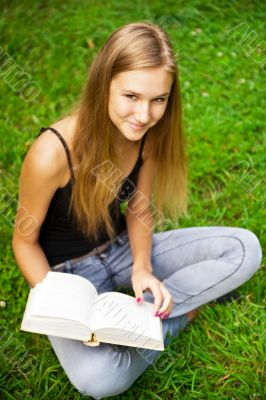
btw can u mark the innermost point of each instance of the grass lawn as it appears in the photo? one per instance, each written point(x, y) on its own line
point(222, 57)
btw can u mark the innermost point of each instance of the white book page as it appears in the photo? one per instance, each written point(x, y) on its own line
point(118, 310)
point(62, 295)
point(32, 299)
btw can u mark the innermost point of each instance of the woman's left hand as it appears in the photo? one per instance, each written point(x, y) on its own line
point(142, 280)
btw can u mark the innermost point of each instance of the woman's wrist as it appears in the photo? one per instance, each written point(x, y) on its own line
point(142, 266)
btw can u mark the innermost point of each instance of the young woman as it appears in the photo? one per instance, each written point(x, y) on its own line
point(123, 145)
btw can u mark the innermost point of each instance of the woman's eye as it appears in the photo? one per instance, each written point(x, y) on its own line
point(130, 96)
point(157, 100)
point(160, 100)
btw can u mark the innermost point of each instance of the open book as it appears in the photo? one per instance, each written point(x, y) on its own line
point(69, 306)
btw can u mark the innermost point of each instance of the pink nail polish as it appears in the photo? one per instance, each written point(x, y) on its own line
point(138, 299)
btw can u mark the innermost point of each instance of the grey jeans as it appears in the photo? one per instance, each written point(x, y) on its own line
point(197, 265)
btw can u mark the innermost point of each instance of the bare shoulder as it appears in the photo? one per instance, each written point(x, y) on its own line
point(66, 128)
point(47, 155)
point(45, 169)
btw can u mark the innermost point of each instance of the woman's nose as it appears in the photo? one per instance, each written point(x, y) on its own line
point(142, 114)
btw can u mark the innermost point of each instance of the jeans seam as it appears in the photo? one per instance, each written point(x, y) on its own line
point(222, 280)
point(196, 240)
point(103, 259)
point(206, 237)
point(218, 283)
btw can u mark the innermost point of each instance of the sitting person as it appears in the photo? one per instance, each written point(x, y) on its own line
point(100, 182)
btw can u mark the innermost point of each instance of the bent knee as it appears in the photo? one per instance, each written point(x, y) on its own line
point(252, 251)
point(104, 380)
point(101, 387)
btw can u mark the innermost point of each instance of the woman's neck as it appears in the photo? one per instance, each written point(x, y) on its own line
point(123, 146)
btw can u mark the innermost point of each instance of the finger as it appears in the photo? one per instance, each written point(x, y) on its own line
point(138, 294)
point(167, 301)
point(158, 298)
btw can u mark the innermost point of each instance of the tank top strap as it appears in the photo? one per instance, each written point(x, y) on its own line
point(142, 145)
point(60, 137)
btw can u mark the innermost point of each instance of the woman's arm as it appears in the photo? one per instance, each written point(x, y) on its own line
point(139, 218)
point(43, 171)
point(140, 229)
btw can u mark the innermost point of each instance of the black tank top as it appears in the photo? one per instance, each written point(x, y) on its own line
point(59, 236)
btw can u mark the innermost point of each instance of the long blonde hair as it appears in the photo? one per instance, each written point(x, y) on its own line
point(132, 46)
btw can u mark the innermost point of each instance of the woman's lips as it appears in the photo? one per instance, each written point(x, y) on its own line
point(137, 127)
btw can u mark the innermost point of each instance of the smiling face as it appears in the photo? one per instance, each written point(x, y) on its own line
point(138, 100)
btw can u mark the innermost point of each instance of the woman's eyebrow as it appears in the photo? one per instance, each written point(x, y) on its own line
point(139, 94)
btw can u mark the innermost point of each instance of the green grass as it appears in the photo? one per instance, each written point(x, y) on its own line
point(222, 354)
